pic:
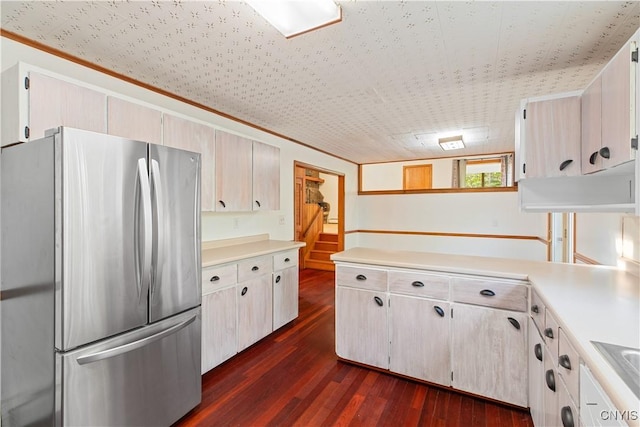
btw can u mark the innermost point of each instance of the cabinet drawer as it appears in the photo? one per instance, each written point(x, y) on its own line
point(569, 365)
point(361, 277)
point(510, 296)
point(217, 277)
point(286, 259)
point(537, 310)
point(419, 284)
point(550, 334)
point(254, 267)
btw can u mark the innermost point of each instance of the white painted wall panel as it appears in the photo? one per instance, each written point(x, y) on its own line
point(599, 236)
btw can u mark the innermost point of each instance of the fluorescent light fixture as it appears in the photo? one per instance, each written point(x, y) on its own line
point(295, 17)
point(451, 143)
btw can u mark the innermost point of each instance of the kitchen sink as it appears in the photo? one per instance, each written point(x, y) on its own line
point(625, 361)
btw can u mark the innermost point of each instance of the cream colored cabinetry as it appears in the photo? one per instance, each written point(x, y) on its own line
point(266, 177)
point(255, 300)
point(233, 173)
point(191, 136)
point(552, 137)
point(133, 121)
point(535, 351)
point(285, 288)
point(33, 102)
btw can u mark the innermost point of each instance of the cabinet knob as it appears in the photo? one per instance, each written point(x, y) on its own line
point(417, 284)
point(378, 301)
point(564, 164)
point(214, 279)
point(537, 350)
point(439, 310)
point(604, 152)
point(224, 205)
point(244, 291)
point(361, 277)
point(566, 415)
point(550, 379)
point(487, 293)
point(565, 362)
point(548, 333)
point(514, 322)
point(593, 157)
point(535, 309)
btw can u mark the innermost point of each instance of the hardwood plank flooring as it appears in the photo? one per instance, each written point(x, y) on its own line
point(293, 378)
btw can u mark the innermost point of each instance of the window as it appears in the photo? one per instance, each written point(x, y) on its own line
point(483, 173)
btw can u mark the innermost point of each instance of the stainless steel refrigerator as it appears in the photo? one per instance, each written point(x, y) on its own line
point(100, 281)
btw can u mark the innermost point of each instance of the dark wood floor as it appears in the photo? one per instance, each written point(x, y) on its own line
point(292, 378)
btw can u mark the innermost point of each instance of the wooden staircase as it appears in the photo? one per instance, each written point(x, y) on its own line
point(319, 256)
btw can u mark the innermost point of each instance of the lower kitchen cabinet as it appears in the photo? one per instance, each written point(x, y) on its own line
point(255, 310)
point(419, 338)
point(489, 353)
point(361, 326)
point(536, 354)
point(285, 296)
point(219, 332)
point(550, 396)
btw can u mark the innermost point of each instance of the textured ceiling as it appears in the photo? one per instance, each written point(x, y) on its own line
point(378, 86)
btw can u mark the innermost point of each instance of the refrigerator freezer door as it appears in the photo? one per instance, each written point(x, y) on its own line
point(176, 278)
point(100, 194)
point(147, 377)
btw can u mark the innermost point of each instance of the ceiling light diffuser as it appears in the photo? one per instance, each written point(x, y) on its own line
point(451, 143)
point(295, 17)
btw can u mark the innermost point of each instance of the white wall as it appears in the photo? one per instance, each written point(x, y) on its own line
point(599, 236)
point(329, 189)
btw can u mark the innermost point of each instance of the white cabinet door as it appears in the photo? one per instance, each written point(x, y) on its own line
point(233, 173)
point(592, 127)
point(361, 326)
point(133, 121)
point(54, 103)
point(255, 310)
point(285, 296)
point(535, 353)
point(219, 333)
point(266, 177)
point(419, 338)
point(489, 353)
point(550, 393)
point(199, 138)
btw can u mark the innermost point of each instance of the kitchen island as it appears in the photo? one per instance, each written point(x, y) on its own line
point(588, 303)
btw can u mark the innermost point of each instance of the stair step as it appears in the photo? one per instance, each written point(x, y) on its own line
point(320, 255)
point(325, 246)
point(328, 237)
point(320, 265)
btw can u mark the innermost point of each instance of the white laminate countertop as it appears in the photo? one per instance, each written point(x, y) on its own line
point(221, 252)
point(590, 303)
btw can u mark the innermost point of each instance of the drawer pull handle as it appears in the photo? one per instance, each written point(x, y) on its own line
point(548, 333)
point(255, 268)
point(564, 164)
point(417, 284)
point(361, 277)
point(535, 309)
point(224, 205)
point(287, 260)
point(537, 350)
point(567, 416)
point(604, 152)
point(244, 291)
point(593, 157)
point(439, 310)
point(551, 380)
point(214, 279)
point(565, 362)
point(378, 301)
point(487, 293)
point(514, 322)
point(278, 278)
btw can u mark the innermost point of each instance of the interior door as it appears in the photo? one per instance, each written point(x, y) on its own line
point(97, 204)
point(175, 274)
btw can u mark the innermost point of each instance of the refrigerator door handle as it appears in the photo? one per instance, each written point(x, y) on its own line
point(125, 348)
point(145, 267)
point(159, 235)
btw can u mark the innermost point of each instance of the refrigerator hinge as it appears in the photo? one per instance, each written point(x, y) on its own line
point(26, 83)
point(634, 142)
point(634, 55)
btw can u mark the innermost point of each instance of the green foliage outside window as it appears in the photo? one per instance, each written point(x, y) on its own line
point(487, 179)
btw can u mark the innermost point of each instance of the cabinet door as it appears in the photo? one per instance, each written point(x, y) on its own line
point(419, 338)
point(219, 333)
point(255, 310)
point(489, 353)
point(550, 395)
point(266, 177)
point(199, 138)
point(361, 326)
point(616, 108)
point(536, 375)
point(133, 121)
point(233, 173)
point(285, 296)
point(54, 103)
point(592, 127)
point(552, 130)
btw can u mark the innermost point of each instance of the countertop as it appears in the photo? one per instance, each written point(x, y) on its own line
point(590, 303)
point(230, 250)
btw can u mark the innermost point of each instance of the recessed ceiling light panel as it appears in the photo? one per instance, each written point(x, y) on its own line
point(295, 17)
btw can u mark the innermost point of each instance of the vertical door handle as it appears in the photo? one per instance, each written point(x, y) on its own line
point(537, 350)
point(564, 361)
point(593, 157)
point(514, 322)
point(378, 301)
point(244, 291)
point(550, 379)
point(158, 197)
point(439, 310)
point(144, 265)
point(566, 415)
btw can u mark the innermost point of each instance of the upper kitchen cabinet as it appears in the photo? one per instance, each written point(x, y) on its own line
point(33, 102)
point(552, 136)
point(233, 173)
point(266, 177)
point(592, 127)
point(133, 121)
point(199, 138)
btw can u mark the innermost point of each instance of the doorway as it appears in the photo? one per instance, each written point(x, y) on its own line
point(318, 214)
point(561, 231)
